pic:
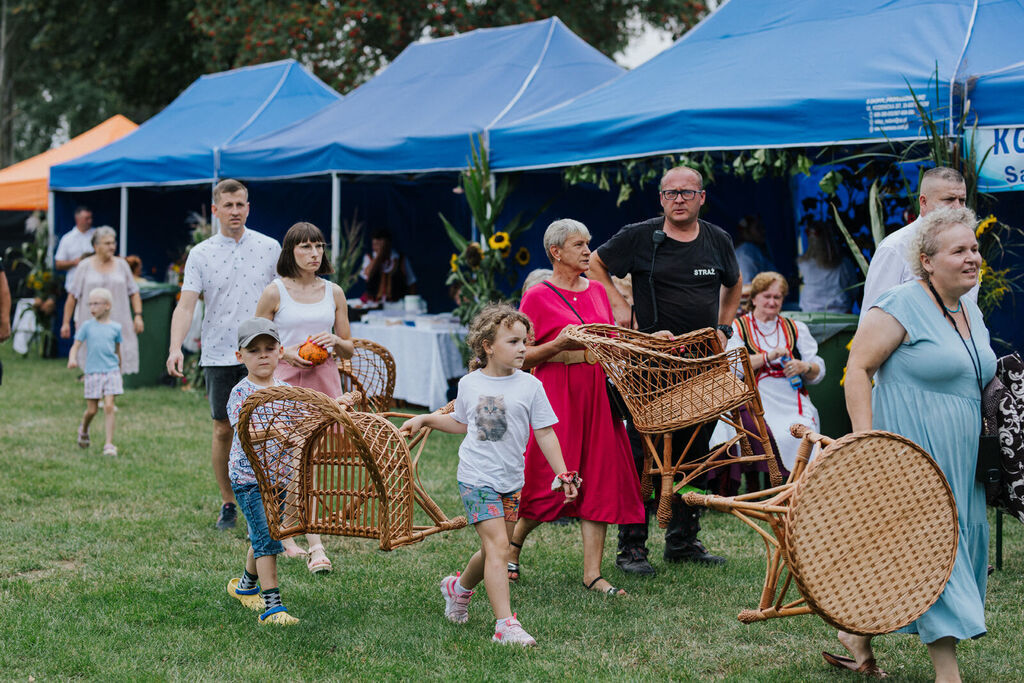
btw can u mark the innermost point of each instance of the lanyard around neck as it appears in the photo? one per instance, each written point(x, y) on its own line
point(975, 357)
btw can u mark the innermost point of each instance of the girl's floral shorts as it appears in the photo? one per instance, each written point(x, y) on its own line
point(483, 503)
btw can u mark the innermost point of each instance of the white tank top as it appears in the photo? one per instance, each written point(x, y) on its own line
point(297, 321)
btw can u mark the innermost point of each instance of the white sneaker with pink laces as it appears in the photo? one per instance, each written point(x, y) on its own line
point(510, 632)
point(456, 605)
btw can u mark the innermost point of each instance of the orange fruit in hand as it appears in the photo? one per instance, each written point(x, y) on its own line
point(314, 353)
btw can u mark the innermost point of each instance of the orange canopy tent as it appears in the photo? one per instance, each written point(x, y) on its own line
point(24, 186)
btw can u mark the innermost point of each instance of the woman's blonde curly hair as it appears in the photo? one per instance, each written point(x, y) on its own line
point(929, 228)
point(484, 328)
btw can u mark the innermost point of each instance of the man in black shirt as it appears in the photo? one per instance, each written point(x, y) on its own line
point(685, 277)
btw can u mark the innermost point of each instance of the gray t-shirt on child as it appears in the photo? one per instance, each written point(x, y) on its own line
point(498, 413)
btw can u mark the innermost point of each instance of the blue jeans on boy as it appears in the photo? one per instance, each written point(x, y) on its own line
point(251, 504)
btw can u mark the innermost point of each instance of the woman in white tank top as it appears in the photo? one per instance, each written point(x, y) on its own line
point(306, 306)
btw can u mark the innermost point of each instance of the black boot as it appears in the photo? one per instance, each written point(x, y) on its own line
point(632, 555)
point(681, 544)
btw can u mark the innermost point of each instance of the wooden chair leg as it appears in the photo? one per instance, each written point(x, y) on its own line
point(762, 430)
point(665, 502)
point(646, 479)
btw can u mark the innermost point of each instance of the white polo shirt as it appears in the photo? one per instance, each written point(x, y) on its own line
point(231, 276)
point(889, 267)
point(73, 244)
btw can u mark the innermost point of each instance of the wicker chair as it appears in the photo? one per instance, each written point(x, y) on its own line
point(324, 470)
point(867, 531)
point(371, 372)
point(668, 385)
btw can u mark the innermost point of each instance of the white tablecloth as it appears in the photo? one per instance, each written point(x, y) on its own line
point(425, 359)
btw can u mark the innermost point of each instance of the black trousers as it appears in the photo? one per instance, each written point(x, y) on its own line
point(685, 522)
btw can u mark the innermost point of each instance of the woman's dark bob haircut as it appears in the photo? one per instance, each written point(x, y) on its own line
point(296, 235)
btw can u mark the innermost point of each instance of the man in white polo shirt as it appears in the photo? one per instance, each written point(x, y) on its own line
point(230, 270)
point(940, 186)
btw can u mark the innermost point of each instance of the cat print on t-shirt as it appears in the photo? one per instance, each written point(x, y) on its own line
point(491, 424)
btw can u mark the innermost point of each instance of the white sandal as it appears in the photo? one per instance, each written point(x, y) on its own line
point(318, 566)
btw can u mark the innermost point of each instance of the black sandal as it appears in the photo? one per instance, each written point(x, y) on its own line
point(513, 567)
point(611, 590)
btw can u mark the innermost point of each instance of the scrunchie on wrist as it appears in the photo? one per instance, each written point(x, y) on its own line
point(573, 478)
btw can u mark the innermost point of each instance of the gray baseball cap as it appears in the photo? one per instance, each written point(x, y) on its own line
point(254, 327)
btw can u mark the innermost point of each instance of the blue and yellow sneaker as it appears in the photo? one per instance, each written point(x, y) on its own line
point(250, 598)
point(278, 615)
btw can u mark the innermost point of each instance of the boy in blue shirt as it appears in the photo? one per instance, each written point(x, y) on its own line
point(102, 339)
point(260, 350)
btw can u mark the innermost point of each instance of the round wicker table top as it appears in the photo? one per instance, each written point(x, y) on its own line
point(872, 533)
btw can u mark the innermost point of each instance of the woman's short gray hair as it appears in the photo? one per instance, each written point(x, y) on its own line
point(103, 231)
point(929, 228)
point(560, 231)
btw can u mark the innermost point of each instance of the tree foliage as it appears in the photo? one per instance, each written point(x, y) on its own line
point(68, 65)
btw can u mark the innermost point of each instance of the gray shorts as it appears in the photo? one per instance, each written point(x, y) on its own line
point(220, 380)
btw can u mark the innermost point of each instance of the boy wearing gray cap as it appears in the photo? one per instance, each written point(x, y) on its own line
point(259, 349)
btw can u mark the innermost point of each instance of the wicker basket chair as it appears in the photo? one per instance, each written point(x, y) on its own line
point(867, 531)
point(324, 470)
point(371, 372)
point(668, 385)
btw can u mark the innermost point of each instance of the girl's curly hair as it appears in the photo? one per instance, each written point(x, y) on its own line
point(484, 328)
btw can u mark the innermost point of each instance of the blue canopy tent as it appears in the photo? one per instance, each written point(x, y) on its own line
point(181, 145)
point(418, 115)
point(783, 74)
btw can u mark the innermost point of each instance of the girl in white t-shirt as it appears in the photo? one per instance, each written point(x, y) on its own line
point(496, 406)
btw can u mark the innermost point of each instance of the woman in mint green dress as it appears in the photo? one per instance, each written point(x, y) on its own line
point(930, 348)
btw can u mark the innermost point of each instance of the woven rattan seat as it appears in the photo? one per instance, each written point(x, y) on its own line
point(324, 470)
point(867, 531)
point(707, 395)
point(668, 385)
point(371, 372)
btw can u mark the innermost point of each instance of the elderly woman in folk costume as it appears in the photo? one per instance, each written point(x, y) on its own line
point(784, 357)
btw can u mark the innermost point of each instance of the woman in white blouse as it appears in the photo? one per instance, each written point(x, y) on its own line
point(780, 349)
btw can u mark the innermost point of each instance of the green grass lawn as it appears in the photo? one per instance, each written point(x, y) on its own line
point(111, 568)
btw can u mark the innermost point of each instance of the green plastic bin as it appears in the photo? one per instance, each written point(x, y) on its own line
point(157, 306)
point(833, 332)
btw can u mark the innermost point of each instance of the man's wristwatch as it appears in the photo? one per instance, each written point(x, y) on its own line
point(726, 330)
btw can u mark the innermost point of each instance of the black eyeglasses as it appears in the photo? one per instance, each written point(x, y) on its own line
point(687, 195)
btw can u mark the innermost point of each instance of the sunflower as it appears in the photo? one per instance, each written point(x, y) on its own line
point(473, 255)
point(499, 240)
point(505, 252)
point(455, 263)
point(523, 256)
point(984, 225)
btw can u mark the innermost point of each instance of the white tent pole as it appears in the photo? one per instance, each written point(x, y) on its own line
point(124, 221)
point(336, 220)
point(50, 229)
point(214, 221)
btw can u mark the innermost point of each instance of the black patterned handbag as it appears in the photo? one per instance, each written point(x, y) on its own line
point(1003, 410)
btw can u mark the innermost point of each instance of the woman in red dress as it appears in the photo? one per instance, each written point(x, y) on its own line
point(593, 442)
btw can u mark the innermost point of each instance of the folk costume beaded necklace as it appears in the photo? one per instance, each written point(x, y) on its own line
point(762, 346)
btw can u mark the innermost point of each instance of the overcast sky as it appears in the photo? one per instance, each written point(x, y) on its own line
point(649, 43)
